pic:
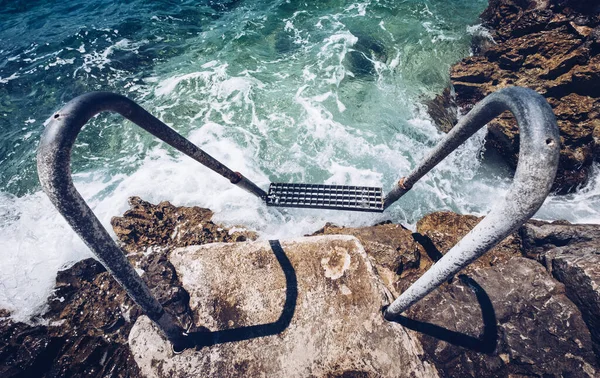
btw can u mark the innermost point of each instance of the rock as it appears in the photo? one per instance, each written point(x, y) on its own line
point(578, 268)
point(87, 297)
point(578, 272)
point(443, 110)
point(146, 225)
point(399, 259)
point(551, 47)
point(306, 307)
point(85, 335)
point(313, 305)
point(89, 315)
point(23, 349)
point(440, 231)
point(572, 254)
point(543, 236)
point(511, 319)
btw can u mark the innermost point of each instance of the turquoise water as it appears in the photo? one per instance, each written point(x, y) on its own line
point(282, 91)
point(249, 63)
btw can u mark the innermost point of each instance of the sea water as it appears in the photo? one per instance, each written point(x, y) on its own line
point(283, 91)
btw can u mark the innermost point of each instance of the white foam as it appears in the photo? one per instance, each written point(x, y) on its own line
point(583, 206)
point(359, 8)
point(167, 86)
point(481, 31)
point(438, 33)
point(101, 59)
point(9, 78)
point(36, 242)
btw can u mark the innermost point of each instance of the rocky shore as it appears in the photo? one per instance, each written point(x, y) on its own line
point(551, 46)
point(530, 307)
point(89, 316)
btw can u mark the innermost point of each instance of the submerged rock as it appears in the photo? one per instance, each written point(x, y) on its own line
point(362, 57)
point(549, 46)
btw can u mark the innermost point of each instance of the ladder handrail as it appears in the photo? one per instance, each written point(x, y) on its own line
point(54, 170)
point(536, 169)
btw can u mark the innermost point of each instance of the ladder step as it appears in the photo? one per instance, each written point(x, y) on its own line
point(336, 197)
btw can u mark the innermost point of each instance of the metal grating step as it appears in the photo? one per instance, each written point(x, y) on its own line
point(336, 197)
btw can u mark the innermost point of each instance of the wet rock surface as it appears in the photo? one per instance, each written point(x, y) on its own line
point(510, 319)
point(146, 225)
point(552, 47)
point(84, 334)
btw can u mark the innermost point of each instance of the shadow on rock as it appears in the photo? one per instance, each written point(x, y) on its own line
point(486, 344)
point(204, 337)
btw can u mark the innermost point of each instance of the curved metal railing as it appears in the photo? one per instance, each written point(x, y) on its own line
point(538, 159)
point(54, 170)
point(536, 170)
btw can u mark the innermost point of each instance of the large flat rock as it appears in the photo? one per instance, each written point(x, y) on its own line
point(299, 308)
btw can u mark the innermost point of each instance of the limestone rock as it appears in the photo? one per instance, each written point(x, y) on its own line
point(306, 307)
point(551, 47)
point(510, 319)
point(398, 257)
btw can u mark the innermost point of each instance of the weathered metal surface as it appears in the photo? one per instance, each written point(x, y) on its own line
point(54, 170)
point(536, 170)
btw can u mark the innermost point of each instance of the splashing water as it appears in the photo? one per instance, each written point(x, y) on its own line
point(319, 92)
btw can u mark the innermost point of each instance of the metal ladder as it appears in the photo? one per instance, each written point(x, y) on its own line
point(538, 160)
